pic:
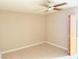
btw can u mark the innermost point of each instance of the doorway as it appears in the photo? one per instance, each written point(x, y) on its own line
point(72, 34)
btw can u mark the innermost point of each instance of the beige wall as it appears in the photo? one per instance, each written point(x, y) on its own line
point(18, 30)
point(57, 27)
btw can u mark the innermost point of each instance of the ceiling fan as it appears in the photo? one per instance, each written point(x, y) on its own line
point(50, 5)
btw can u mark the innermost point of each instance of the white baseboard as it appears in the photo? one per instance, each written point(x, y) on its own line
point(56, 45)
point(16, 49)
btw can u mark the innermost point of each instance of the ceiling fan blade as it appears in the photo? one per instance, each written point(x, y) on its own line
point(58, 9)
point(50, 1)
point(45, 10)
point(45, 5)
point(60, 4)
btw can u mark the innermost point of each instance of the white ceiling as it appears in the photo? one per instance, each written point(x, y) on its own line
point(32, 6)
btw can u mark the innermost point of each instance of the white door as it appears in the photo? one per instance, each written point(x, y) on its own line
point(72, 34)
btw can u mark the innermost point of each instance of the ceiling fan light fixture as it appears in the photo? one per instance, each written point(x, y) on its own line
point(49, 9)
point(53, 6)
